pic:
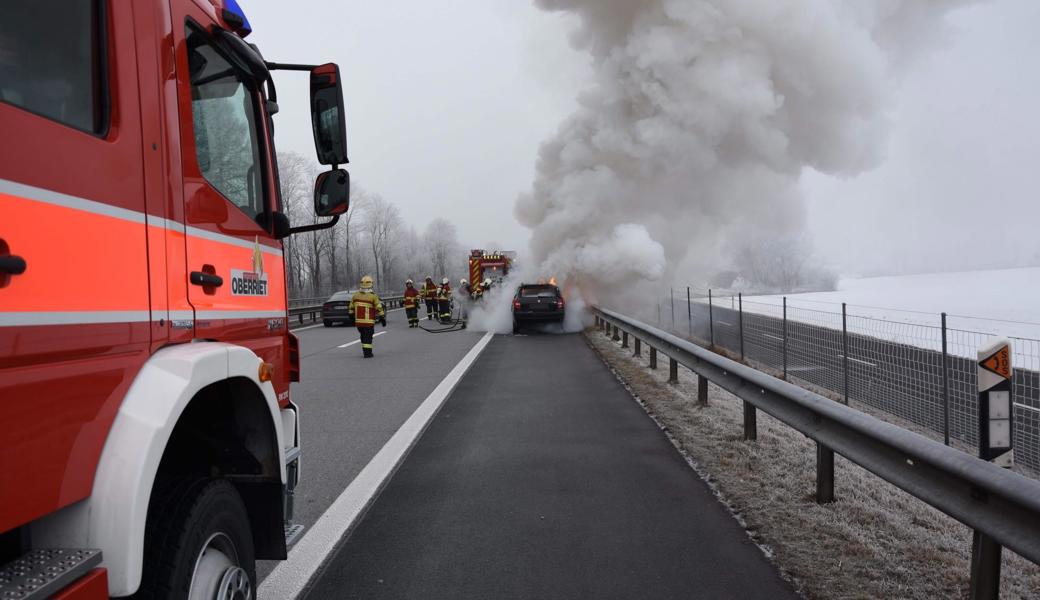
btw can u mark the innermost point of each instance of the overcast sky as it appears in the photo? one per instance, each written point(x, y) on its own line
point(448, 101)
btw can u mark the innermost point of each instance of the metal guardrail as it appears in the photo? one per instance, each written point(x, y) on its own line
point(1002, 507)
point(313, 312)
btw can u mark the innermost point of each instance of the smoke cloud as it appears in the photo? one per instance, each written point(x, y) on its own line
point(702, 117)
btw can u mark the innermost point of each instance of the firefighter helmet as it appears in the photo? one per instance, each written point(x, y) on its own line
point(487, 282)
point(429, 278)
point(366, 282)
point(462, 282)
point(444, 281)
point(408, 282)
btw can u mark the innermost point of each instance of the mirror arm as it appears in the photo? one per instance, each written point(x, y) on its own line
point(273, 66)
point(315, 227)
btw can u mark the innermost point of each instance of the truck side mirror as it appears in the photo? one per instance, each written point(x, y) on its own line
point(327, 115)
point(332, 193)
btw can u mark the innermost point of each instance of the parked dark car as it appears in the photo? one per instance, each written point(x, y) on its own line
point(337, 309)
point(537, 303)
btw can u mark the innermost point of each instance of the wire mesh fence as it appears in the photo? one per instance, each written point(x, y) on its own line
point(923, 373)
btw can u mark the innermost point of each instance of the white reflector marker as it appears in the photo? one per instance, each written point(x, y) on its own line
point(996, 414)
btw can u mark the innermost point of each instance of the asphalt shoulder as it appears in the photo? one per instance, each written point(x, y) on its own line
point(540, 478)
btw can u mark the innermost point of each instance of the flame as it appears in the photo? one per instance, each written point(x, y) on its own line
point(552, 280)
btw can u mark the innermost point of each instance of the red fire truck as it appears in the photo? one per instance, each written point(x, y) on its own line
point(149, 443)
point(489, 265)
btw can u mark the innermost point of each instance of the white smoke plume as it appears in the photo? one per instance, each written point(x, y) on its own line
point(702, 117)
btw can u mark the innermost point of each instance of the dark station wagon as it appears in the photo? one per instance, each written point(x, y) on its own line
point(537, 303)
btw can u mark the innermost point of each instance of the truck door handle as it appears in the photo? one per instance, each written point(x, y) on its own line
point(206, 279)
point(12, 265)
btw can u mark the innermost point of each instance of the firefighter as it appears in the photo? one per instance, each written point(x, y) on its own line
point(444, 301)
point(429, 295)
point(411, 303)
point(465, 297)
point(367, 309)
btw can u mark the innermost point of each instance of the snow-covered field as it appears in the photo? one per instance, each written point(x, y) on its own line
point(1001, 302)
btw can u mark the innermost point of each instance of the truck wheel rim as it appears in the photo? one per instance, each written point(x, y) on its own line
point(217, 574)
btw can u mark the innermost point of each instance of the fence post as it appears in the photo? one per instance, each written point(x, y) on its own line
point(689, 311)
point(702, 390)
point(750, 421)
point(946, 385)
point(671, 296)
point(711, 320)
point(845, 351)
point(740, 322)
point(653, 357)
point(639, 348)
point(673, 371)
point(624, 339)
point(785, 338)
point(824, 474)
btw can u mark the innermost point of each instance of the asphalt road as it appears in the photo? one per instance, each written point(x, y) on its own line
point(539, 478)
point(350, 406)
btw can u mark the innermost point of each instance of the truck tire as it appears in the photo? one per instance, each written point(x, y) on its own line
point(327, 323)
point(198, 543)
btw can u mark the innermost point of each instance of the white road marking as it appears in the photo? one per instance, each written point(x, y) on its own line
point(359, 341)
point(291, 575)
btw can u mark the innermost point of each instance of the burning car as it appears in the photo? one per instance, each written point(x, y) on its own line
point(537, 303)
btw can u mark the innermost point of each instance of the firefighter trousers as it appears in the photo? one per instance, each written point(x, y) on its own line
point(367, 332)
point(413, 315)
point(445, 310)
point(431, 307)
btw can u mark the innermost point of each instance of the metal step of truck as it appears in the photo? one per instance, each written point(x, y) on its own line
point(41, 573)
point(293, 531)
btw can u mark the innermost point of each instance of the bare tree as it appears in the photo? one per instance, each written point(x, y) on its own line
point(442, 244)
point(381, 224)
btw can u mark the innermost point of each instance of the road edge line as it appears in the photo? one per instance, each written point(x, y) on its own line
point(292, 576)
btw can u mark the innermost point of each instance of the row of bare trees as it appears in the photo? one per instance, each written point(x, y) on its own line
point(372, 238)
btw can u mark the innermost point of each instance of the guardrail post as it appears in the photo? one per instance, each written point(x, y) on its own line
point(624, 339)
point(639, 348)
point(985, 567)
point(606, 328)
point(740, 321)
point(597, 320)
point(702, 390)
point(711, 320)
point(653, 357)
point(785, 338)
point(750, 421)
point(946, 385)
point(616, 335)
point(689, 311)
point(845, 351)
point(824, 474)
point(673, 371)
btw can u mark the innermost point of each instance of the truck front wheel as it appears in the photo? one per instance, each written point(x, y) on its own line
point(198, 544)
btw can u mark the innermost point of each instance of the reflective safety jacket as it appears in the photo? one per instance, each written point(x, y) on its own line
point(429, 290)
point(444, 292)
point(366, 308)
point(411, 297)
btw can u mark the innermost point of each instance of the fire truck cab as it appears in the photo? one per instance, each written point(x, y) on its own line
point(149, 444)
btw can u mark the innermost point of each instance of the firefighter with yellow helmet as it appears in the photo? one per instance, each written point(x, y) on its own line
point(367, 309)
